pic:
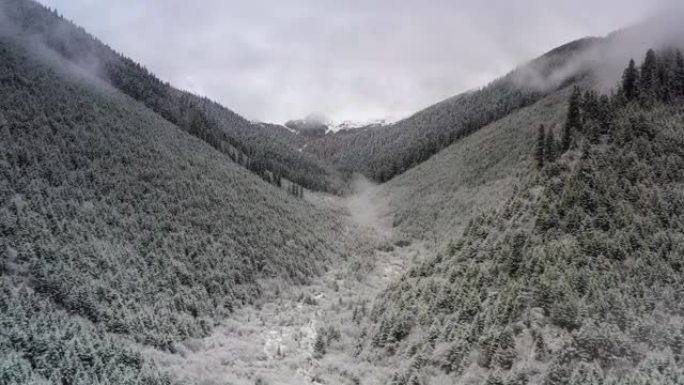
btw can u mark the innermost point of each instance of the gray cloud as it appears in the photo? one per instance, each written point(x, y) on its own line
point(274, 60)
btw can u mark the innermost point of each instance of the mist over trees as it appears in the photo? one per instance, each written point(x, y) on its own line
point(136, 216)
point(261, 147)
point(578, 274)
point(386, 151)
point(116, 226)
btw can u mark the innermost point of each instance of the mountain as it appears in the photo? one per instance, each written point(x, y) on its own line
point(569, 272)
point(119, 226)
point(529, 232)
point(312, 126)
point(386, 151)
point(436, 198)
point(263, 148)
point(383, 152)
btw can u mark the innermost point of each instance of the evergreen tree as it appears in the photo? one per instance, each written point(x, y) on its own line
point(319, 345)
point(678, 347)
point(550, 147)
point(678, 81)
point(665, 75)
point(574, 111)
point(604, 114)
point(590, 105)
point(647, 83)
point(587, 374)
point(574, 119)
point(494, 379)
point(505, 353)
point(539, 150)
point(629, 81)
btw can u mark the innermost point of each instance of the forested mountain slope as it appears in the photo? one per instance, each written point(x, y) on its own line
point(383, 152)
point(577, 277)
point(389, 150)
point(439, 196)
point(116, 223)
point(260, 147)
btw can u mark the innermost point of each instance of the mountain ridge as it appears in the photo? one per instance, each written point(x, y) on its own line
point(528, 232)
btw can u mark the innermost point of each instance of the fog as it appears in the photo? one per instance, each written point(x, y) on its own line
point(368, 208)
point(606, 57)
point(352, 60)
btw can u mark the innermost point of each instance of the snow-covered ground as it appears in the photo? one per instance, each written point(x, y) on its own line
point(273, 342)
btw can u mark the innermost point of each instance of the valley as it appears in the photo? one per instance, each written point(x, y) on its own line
point(527, 232)
point(274, 341)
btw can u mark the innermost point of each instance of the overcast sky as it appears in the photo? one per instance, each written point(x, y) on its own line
point(274, 60)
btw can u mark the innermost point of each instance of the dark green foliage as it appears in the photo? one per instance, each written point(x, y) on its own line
point(539, 156)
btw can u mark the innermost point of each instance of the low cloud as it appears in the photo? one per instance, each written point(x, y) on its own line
point(352, 60)
point(605, 57)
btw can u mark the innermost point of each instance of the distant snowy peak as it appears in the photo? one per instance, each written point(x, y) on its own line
point(351, 124)
point(313, 126)
point(316, 125)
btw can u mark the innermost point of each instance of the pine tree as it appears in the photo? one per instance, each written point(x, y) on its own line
point(604, 114)
point(494, 379)
point(664, 76)
point(647, 83)
point(574, 111)
point(590, 105)
point(539, 346)
point(587, 374)
point(319, 345)
point(679, 74)
point(505, 353)
point(678, 347)
point(629, 81)
point(574, 119)
point(539, 150)
point(550, 147)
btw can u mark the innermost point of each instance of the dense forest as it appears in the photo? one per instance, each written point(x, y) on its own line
point(117, 225)
point(530, 232)
point(265, 149)
point(577, 278)
point(384, 152)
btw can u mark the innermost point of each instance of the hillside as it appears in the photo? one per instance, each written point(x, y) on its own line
point(576, 277)
point(118, 225)
point(439, 196)
point(383, 152)
point(386, 151)
point(262, 148)
point(528, 232)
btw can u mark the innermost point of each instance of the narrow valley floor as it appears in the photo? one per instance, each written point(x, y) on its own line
point(275, 342)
